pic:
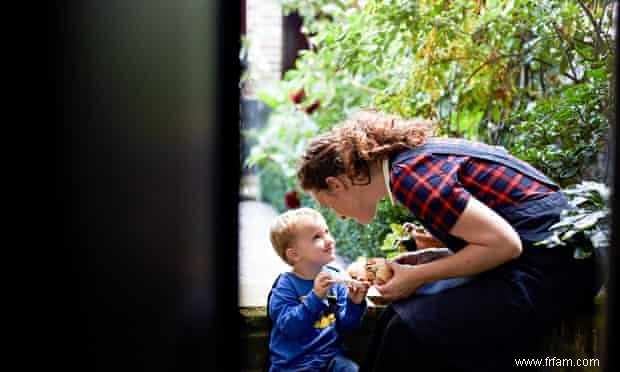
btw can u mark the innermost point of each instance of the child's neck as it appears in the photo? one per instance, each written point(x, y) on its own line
point(308, 272)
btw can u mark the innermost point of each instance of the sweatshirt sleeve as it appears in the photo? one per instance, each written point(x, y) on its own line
point(349, 313)
point(290, 315)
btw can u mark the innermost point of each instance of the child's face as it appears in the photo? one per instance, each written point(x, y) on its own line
point(313, 244)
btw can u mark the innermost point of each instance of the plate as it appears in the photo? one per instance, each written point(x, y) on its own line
point(375, 297)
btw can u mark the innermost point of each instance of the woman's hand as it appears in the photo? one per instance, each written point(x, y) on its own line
point(357, 294)
point(402, 285)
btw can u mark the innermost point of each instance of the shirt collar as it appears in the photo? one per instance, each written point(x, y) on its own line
point(386, 178)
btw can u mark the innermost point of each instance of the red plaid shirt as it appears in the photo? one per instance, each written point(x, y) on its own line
point(436, 188)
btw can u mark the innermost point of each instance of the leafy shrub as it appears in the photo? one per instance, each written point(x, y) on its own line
point(530, 75)
point(586, 222)
point(561, 135)
point(273, 186)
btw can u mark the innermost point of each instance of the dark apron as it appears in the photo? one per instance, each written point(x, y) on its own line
point(498, 316)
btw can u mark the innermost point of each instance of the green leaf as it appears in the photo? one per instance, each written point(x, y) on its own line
point(567, 235)
point(580, 254)
point(550, 242)
point(589, 220)
point(601, 296)
point(568, 221)
point(600, 239)
point(508, 7)
point(268, 99)
point(397, 228)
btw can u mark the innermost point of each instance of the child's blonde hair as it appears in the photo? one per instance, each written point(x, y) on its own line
point(283, 230)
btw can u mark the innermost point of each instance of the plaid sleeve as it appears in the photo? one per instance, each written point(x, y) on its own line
point(429, 187)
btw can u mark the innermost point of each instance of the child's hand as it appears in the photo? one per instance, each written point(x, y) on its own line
point(357, 294)
point(322, 283)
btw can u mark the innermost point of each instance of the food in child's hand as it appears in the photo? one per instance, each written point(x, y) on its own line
point(346, 279)
point(378, 271)
point(357, 270)
point(351, 282)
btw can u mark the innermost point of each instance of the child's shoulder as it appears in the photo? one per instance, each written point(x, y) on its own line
point(290, 275)
point(290, 287)
point(282, 277)
point(288, 279)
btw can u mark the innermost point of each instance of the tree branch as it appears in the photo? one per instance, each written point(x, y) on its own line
point(364, 87)
point(541, 78)
point(597, 30)
point(488, 62)
point(573, 78)
point(608, 41)
point(570, 61)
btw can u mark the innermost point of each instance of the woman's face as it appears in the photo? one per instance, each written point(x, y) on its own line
point(347, 200)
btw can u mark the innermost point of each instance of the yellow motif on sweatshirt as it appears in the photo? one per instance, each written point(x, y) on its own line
point(325, 319)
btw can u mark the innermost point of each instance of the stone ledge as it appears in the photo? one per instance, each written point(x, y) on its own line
point(577, 338)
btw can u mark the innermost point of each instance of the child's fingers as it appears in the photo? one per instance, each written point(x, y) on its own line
point(323, 276)
point(358, 290)
point(323, 279)
point(328, 282)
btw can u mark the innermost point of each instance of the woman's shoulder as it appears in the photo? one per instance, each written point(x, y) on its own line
point(426, 161)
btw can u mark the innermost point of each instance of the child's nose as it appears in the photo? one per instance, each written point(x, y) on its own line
point(331, 241)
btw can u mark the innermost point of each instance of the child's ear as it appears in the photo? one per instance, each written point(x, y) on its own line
point(291, 254)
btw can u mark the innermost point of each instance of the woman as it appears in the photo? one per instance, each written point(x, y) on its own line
point(481, 202)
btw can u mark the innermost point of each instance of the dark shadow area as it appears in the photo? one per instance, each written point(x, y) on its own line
point(293, 40)
point(147, 178)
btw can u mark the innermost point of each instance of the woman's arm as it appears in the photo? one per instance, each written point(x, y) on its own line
point(492, 241)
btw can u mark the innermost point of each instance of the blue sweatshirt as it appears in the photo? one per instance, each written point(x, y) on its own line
point(306, 329)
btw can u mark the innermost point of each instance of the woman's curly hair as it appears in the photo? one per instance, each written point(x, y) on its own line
point(351, 146)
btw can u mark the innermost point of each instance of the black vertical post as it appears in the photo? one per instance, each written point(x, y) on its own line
point(227, 193)
point(610, 358)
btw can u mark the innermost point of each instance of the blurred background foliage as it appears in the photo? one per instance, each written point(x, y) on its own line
point(532, 76)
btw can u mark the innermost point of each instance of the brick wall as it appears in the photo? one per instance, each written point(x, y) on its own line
point(264, 33)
